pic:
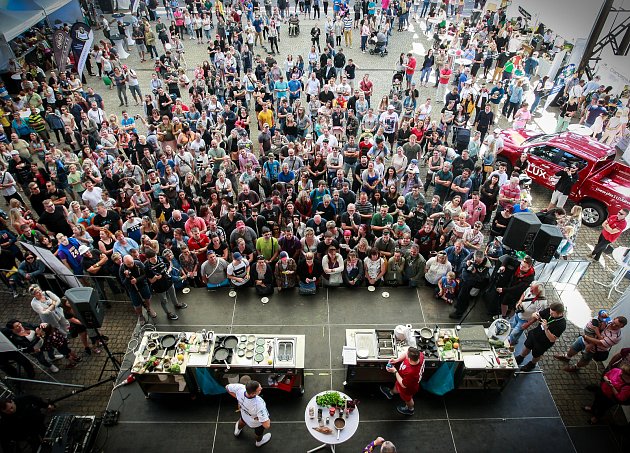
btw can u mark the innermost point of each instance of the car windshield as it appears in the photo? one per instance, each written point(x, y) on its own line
point(538, 139)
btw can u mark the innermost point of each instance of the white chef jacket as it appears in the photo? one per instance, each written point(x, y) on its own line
point(253, 410)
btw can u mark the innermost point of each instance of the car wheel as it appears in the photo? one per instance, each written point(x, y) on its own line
point(593, 213)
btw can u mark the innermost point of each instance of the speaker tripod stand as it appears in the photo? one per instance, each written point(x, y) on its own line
point(111, 357)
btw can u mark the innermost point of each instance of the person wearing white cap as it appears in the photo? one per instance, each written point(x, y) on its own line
point(389, 121)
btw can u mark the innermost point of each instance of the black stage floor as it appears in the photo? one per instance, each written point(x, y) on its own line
point(523, 418)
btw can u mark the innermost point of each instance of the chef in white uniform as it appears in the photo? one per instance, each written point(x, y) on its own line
point(253, 410)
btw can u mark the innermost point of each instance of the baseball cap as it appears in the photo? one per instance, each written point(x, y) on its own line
point(283, 255)
point(211, 252)
point(83, 249)
point(15, 153)
point(386, 231)
point(603, 313)
point(237, 256)
point(347, 233)
point(191, 212)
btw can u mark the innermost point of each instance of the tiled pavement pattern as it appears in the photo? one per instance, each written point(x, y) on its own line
point(568, 389)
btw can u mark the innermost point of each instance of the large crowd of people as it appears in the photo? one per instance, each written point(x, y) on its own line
point(253, 171)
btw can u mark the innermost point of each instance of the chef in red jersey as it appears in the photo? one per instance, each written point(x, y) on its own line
point(408, 369)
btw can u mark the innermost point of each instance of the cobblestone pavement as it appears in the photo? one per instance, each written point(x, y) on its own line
point(568, 389)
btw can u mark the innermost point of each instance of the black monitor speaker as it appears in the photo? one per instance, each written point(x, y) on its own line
point(546, 243)
point(87, 306)
point(521, 231)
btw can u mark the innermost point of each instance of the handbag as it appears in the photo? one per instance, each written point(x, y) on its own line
point(600, 356)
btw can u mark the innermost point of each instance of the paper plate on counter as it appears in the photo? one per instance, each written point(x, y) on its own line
point(232, 293)
point(371, 288)
point(264, 300)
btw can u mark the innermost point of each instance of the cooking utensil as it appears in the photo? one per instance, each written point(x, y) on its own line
point(221, 354)
point(151, 347)
point(249, 354)
point(426, 334)
point(243, 338)
point(260, 349)
point(251, 338)
point(340, 424)
point(241, 352)
point(168, 341)
point(230, 342)
point(260, 342)
point(250, 346)
point(258, 358)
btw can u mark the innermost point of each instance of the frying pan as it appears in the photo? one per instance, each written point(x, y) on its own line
point(426, 333)
point(230, 342)
point(168, 342)
point(340, 424)
point(221, 354)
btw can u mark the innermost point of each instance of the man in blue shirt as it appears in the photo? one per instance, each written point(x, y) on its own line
point(592, 112)
point(295, 89)
point(271, 168)
point(128, 123)
point(280, 89)
point(456, 255)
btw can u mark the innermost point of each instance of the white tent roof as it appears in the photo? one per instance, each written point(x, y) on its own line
point(50, 6)
point(571, 19)
point(13, 23)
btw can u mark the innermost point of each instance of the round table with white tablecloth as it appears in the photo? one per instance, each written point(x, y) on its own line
point(120, 48)
point(330, 440)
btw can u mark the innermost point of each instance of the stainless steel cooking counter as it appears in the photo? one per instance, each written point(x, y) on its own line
point(274, 360)
point(476, 362)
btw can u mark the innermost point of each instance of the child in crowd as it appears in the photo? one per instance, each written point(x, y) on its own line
point(447, 287)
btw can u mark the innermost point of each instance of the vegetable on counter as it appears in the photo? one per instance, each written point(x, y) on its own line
point(330, 399)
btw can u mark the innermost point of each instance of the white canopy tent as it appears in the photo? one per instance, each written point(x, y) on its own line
point(13, 23)
point(50, 6)
point(571, 19)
